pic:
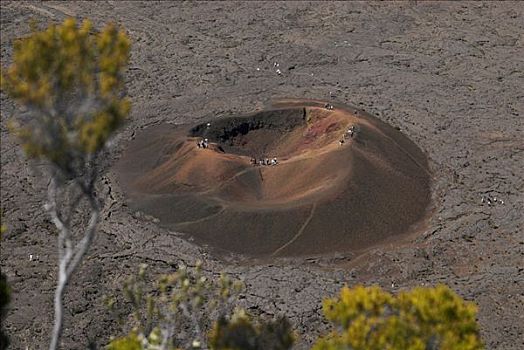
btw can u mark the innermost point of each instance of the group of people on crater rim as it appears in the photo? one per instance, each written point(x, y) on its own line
point(204, 143)
point(264, 161)
point(348, 134)
point(490, 200)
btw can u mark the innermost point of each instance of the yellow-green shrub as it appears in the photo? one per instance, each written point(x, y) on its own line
point(419, 319)
point(69, 78)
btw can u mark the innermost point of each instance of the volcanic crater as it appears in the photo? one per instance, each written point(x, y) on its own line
point(302, 177)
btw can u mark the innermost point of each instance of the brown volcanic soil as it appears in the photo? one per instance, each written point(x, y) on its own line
point(448, 75)
point(322, 197)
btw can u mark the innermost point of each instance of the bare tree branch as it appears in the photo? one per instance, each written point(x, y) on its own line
point(81, 248)
point(70, 254)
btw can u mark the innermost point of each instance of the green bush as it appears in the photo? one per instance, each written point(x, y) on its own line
point(186, 310)
point(240, 332)
point(418, 319)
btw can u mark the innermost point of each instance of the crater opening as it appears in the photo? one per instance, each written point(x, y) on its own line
point(300, 178)
point(255, 135)
point(277, 132)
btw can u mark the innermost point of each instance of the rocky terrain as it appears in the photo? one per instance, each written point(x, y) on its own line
point(450, 76)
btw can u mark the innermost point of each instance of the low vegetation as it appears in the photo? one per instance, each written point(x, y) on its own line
point(421, 318)
point(186, 311)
